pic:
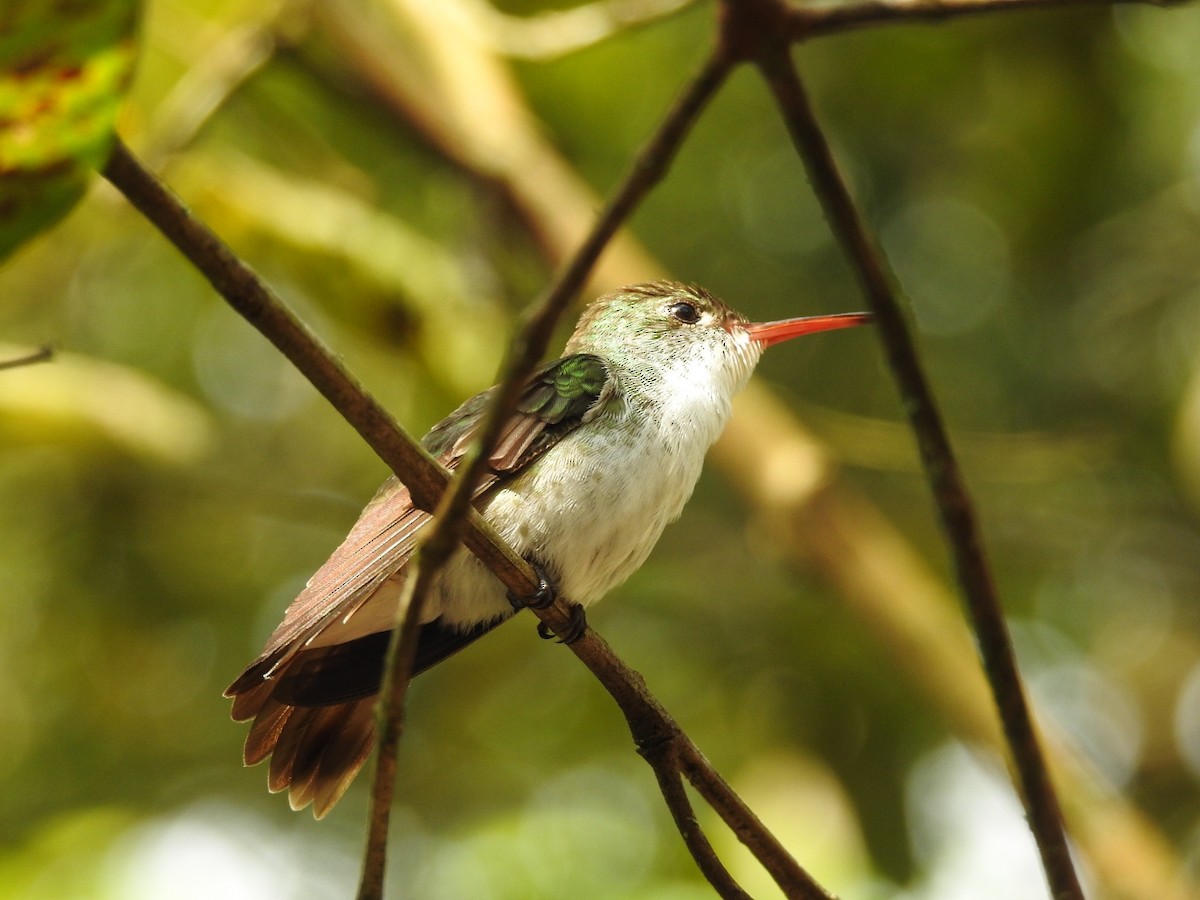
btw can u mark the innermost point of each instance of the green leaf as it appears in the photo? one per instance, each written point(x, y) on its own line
point(63, 68)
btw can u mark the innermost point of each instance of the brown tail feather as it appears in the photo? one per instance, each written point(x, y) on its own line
point(325, 730)
point(314, 716)
point(337, 741)
point(344, 758)
point(315, 751)
point(264, 733)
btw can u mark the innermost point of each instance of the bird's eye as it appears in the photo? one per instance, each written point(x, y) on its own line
point(685, 312)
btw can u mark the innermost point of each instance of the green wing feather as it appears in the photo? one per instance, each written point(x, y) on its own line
point(556, 400)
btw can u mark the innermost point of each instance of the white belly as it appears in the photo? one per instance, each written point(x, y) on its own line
point(591, 512)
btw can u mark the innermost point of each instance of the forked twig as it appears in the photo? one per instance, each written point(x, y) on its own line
point(665, 762)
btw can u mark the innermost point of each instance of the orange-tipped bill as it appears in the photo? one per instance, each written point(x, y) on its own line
point(768, 333)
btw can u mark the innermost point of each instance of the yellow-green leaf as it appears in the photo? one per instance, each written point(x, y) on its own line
point(63, 68)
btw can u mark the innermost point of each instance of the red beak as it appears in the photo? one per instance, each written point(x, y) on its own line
point(768, 333)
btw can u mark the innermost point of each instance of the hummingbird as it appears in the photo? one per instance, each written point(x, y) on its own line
point(603, 451)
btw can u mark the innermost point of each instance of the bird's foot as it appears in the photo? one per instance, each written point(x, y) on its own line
point(545, 596)
point(541, 598)
point(576, 626)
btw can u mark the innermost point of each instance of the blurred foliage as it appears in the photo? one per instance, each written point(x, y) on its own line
point(167, 484)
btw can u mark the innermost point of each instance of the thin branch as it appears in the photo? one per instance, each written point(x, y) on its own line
point(664, 760)
point(393, 692)
point(42, 354)
point(804, 20)
point(954, 504)
point(255, 302)
point(649, 167)
point(532, 338)
point(740, 819)
point(652, 727)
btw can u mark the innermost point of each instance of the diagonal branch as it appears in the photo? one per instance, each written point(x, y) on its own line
point(393, 692)
point(653, 729)
point(950, 493)
point(739, 817)
point(532, 338)
point(425, 478)
point(262, 308)
point(803, 21)
point(42, 354)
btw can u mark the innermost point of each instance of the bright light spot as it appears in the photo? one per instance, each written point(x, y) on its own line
point(211, 851)
point(968, 829)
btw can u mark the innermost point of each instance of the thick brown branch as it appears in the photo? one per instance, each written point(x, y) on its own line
point(949, 490)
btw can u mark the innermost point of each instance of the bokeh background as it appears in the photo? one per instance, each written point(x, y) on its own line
point(407, 175)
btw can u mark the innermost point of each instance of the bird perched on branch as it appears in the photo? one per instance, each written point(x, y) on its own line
point(602, 453)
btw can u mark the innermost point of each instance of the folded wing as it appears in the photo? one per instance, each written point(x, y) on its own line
point(310, 693)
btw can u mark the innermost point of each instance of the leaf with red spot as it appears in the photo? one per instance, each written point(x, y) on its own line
point(64, 65)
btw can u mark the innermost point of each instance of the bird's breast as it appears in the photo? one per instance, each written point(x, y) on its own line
point(593, 508)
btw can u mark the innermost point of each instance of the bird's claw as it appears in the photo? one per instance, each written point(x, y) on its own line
point(541, 598)
point(576, 626)
point(544, 596)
